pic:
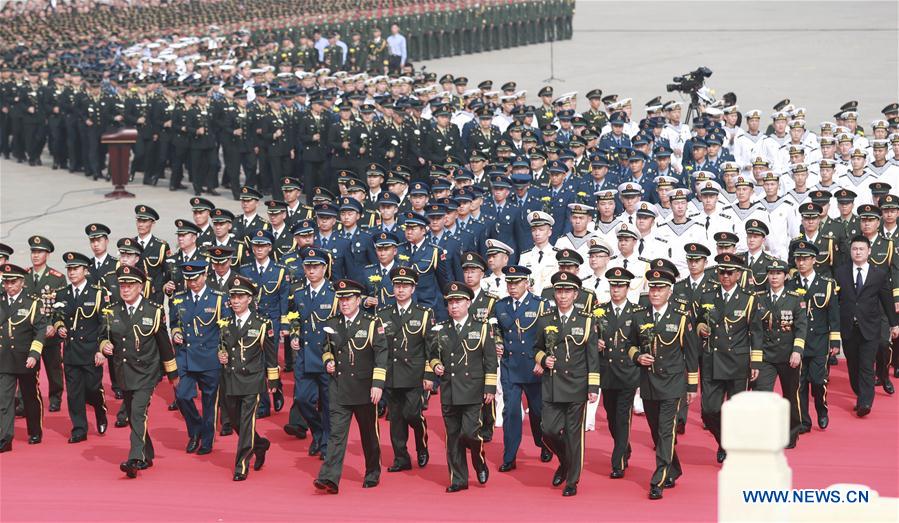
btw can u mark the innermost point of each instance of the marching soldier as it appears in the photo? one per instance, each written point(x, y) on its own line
point(154, 251)
point(728, 323)
point(567, 350)
point(249, 366)
point(617, 323)
point(194, 318)
point(44, 282)
point(668, 349)
point(757, 257)
point(77, 319)
point(134, 336)
point(355, 355)
point(21, 342)
point(823, 332)
point(409, 340)
point(465, 359)
point(102, 262)
point(784, 319)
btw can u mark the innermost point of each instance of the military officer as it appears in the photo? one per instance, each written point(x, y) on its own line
point(729, 325)
point(541, 258)
point(188, 251)
point(313, 302)
point(784, 319)
point(830, 247)
point(44, 282)
point(757, 257)
point(355, 355)
point(376, 277)
point(249, 366)
point(823, 332)
point(464, 356)
point(410, 339)
point(134, 336)
point(570, 261)
point(22, 340)
point(194, 318)
point(473, 269)
point(202, 211)
point(154, 251)
point(102, 262)
point(517, 316)
point(566, 349)
point(429, 260)
point(617, 324)
point(667, 350)
point(77, 319)
point(223, 225)
point(249, 221)
point(273, 283)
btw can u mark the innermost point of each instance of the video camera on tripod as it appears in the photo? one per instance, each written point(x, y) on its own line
point(693, 84)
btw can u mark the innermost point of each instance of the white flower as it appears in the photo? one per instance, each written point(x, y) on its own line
point(329, 330)
point(363, 135)
point(492, 321)
point(59, 305)
point(437, 328)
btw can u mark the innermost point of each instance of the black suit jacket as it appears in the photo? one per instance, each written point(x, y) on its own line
point(871, 307)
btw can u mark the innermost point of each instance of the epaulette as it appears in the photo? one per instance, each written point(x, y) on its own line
point(680, 300)
point(335, 315)
point(421, 307)
point(368, 316)
point(794, 293)
point(761, 292)
point(529, 250)
point(637, 308)
point(153, 303)
point(585, 313)
point(826, 278)
point(491, 295)
point(217, 293)
point(370, 266)
point(383, 308)
point(54, 272)
point(548, 312)
point(682, 311)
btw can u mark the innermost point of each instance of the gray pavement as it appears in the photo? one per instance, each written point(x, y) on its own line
point(819, 54)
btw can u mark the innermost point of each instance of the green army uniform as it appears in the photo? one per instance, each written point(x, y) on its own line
point(141, 348)
point(571, 340)
point(154, 252)
point(44, 286)
point(467, 354)
point(822, 336)
point(409, 340)
point(251, 370)
point(784, 324)
point(358, 347)
point(757, 270)
point(22, 336)
point(482, 309)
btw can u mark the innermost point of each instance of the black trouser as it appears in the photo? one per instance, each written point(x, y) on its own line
point(56, 130)
point(34, 142)
point(201, 168)
point(395, 63)
point(619, 407)
point(860, 355)
point(243, 409)
point(90, 149)
point(314, 175)
point(488, 420)
point(404, 412)
point(51, 356)
point(137, 405)
point(789, 385)
point(279, 167)
point(882, 362)
point(813, 377)
point(661, 415)
point(231, 175)
point(73, 144)
point(180, 157)
point(5, 132)
point(463, 425)
point(160, 157)
point(18, 138)
point(84, 386)
point(714, 393)
point(31, 397)
point(367, 418)
point(563, 433)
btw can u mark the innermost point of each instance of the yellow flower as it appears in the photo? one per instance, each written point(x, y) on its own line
point(176, 301)
point(551, 328)
point(545, 199)
point(223, 323)
point(374, 278)
point(581, 194)
point(800, 292)
point(107, 312)
point(708, 306)
point(599, 312)
point(403, 257)
point(647, 326)
point(292, 316)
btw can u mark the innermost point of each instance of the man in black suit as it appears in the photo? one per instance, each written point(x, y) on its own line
point(866, 307)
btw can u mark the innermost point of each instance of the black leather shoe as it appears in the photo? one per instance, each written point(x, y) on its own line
point(173, 406)
point(202, 451)
point(487, 437)
point(193, 444)
point(278, 400)
point(423, 458)
point(315, 448)
point(681, 427)
point(34, 440)
point(399, 468)
point(260, 455)
point(78, 439)
point(370, 483)
point(569, 491)
point(721, 455)
point(54, 406)
point(823, 421)
point(863, 411)
point(655, 492)
point(877, 381)
point(506, 467)
point(833, 361)
point(455, 488)
point(143, 465)
point(558, 477)
point(121, 422)
point(129, 468)
point(239, 477)
point(889, 388)
point(102, 422)
point(804, 429)
point(5, 446)
point(616, 474)
point(226, 430)
point(546, 455)
point(327, 485)
point(792, 443)
point(262, 414)
point(20, 411)
point(322, 455)
point(119, 394)
point(669, 483)
point(483, 474)
point(295, 431)
point(213, 192)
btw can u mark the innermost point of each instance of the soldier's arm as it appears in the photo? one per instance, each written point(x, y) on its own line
point(174, 317)
point(800, 326)
point(270, 350)
point(833, 317)
point(164, 344)
point(894, 276)
point(756, 334)
point(39, 321)
point(283, 296)
point(592, 359)
point(490, 362)
point(691, 355)
point(430, 344)
point(540, 349)
point(379, 345)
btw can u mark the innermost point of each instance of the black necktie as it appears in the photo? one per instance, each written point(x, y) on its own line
point(75, 293)
point(640, 248)
point(458, 328)
point(805, 283)
point(625, 263)
point(130, 311)
point(708, 222)
point(656, 316)
point(858, 280)
point(497, 281)
point(239, 323)
point(539, 256)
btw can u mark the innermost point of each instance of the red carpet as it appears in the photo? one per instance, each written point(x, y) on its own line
point(55, 481)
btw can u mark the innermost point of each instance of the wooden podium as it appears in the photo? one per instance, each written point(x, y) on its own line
point(119, 142)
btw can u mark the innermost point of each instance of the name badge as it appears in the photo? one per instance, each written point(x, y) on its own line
point(253, 333)
point(361, 333)
point(324, 306)
point(23, 312)
point(89, 303)
point(530, 314)
point(739, 313)
point(415, 323)
point(146, 321)
point(627, 323)
point(474, 335)
point(671, 327)
point(577, 331)
point(209, 309)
